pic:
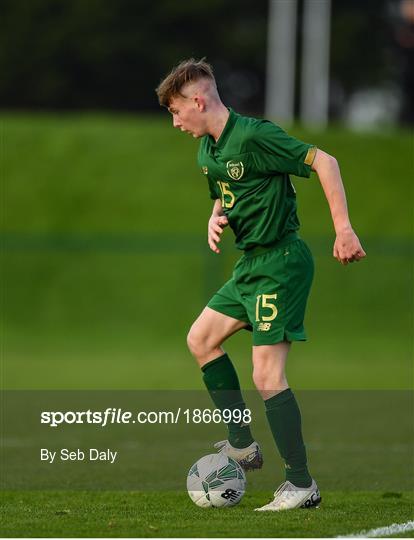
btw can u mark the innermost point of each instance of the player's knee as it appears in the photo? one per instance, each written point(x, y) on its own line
point(201, 342)
point(191, 341)
point(196, 342)
point(259, 378)
point(267, 379)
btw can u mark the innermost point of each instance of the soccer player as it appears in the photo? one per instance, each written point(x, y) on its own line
point(247, 163)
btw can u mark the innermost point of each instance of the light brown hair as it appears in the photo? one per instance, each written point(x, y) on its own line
point(186, 71)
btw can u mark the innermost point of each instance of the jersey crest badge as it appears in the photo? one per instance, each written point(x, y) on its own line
point(235, 169)
point(204, 169)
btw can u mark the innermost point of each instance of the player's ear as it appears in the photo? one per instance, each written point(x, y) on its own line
point(200, 103)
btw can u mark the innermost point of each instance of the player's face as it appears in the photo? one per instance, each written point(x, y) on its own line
point(187, 116)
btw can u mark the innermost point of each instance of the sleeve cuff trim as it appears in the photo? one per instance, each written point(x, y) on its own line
point(310, 156)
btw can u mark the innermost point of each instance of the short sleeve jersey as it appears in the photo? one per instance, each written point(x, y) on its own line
point(248, 169)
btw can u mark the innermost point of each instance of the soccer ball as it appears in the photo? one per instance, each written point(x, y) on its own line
point(216, 480)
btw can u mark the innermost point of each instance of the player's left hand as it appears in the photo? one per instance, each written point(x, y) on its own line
point(347, 247)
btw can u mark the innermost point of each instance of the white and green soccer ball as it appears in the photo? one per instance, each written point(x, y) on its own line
point(216, 480)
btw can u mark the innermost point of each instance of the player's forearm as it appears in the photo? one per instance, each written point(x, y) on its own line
point(217, 208)
point(329, 174)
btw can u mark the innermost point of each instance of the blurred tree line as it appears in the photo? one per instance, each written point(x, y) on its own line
point(111, 54)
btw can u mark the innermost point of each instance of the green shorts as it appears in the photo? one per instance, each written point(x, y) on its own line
point(269, 290)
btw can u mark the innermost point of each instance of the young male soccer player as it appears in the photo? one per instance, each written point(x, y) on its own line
point(247, 163)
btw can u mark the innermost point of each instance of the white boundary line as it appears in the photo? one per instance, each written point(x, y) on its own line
point(395, 528)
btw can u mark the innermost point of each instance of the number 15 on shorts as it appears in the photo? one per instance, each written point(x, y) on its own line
point(266, 309)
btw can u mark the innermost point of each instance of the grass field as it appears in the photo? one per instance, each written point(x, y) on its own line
point(117, 514)
point(104, 267)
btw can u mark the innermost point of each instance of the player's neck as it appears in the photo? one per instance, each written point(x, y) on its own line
point(219, 116)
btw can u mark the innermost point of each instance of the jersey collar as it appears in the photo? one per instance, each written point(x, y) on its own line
point(231, 120)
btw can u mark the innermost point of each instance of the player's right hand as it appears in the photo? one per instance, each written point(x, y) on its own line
point(216, 226)
point(347, 247)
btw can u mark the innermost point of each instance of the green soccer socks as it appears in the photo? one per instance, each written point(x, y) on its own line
point(284, 418)
point(223, 385)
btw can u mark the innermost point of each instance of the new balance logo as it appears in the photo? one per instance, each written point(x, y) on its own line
point(231, 494)
point(313, 500)
point(264, 326)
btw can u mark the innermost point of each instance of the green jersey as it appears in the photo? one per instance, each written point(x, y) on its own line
point(248, 169)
